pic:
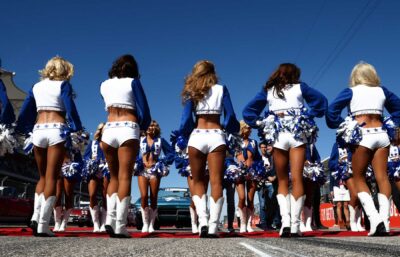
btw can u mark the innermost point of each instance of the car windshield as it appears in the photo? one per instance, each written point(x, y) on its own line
point(172, 193)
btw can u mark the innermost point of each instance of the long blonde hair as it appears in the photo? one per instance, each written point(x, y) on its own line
point(199, 82)
point(57, 68)
point(99, 131)
point(365, 74)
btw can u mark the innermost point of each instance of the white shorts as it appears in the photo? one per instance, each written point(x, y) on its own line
point(286, 140)
point(374, 138)
point(118, 132)
point(206, 140)
point(341, 194)
point(48, 134)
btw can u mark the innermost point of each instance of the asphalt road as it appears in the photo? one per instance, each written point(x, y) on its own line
point(152, 247)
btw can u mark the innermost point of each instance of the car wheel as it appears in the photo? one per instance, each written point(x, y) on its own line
point(80, 225)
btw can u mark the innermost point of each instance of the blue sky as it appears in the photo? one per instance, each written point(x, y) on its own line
point(245, 40)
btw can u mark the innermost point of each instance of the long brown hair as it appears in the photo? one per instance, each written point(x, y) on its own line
point(287, 73)
point(199, 82)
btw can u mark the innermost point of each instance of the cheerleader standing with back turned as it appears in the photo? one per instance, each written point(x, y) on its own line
point(287, 127)
point(366, 99)
point(128, 113)
point(50, 104)
point(207, 100)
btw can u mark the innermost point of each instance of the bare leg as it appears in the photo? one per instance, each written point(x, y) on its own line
point(197, 166)
point(92, 192)
point(190, 184)
point(216, 166)
point(360, 160)
point(126, 157)
point(353, 192)
point(104, 192)
point(346, 211)
point(240, 188)
point(281, 161)
point(59, 191)
point(41, 161)
point(297, 158)
point(55, 157)
point(154, 187)
point(144, 191)
point(251, 190)
point(379, 165)
point(339, 206)
point(69, 193)
point(111, 154)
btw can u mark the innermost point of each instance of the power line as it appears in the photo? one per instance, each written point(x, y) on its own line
point(345, 40)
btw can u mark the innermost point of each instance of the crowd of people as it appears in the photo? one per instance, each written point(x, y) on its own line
point(284, 167)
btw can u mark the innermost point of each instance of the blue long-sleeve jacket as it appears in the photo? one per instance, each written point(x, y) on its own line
point(7, 115)
point(316, 102)
point(141, 104)
point(312, 154)
point(166, 148)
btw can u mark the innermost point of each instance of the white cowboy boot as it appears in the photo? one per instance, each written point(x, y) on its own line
point(284, 207)
point(103, 220)
point(358, 211)
point(215, 213)
point(193, 218)
point(353, 220)
point(307, 219)
point(377, 226)
point(296, 207)
point(39, 198)
point(58, 212)
point(65, 218)
point(250, 214)
point(46, 209)
point(111, 214)
point(145, 219)
point(384, 210)
point(201, 209)
point(153, 216)
point(122, 218)
point(243, 219)
point(94, 212)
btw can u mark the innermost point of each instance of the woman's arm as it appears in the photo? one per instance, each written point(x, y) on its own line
point(251, 113)
point(231, 124)
point(142, 107)
point(73, 118)
point(333, 115)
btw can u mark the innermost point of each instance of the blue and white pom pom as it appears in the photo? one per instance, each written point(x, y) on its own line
point(315, 173)
point(390, 127)
point(160, 168)
point(234, 171)
point(8, 142)
point(79, 140)
point(234, 143)
point(304, 127)
point(138, 168)
point(72, 170)
point(106, 171)
point(349, 132)
point(269, 127)
point(258, 173)
point(343, 172)
point(394, 171)
point(92, 169)
point(183, 166)
point(178, 141)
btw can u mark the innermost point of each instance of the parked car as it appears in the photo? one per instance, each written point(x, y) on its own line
point(14, 207)
point(173, 208)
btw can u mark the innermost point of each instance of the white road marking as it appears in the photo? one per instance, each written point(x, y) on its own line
point(278, 249)
point(255, 250)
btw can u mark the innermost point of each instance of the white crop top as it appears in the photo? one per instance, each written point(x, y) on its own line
point(118, 93)
point(212, 102)
point(342, 154)
point(393, 153)
point(293, 99)
point(47, 95)
point(367, 100)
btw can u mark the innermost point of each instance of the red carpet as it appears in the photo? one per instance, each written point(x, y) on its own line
point(86, 232)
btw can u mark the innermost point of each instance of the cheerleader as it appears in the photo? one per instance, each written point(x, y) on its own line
point(150, 168)
point(247, 182)
point(394, 165)
point(207, 99)
point(128, 113)
point(369, 139)
point(7, 117)
point(313, 175)
point(340, 166)
point(179, 143)
point(71, 173)
point(289, 127)
point(50, 104)
point(96, 173)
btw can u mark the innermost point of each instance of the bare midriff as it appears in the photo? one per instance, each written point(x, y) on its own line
point(370, 120)
point(120, 114)
point(50, 117)
point(208, 121)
